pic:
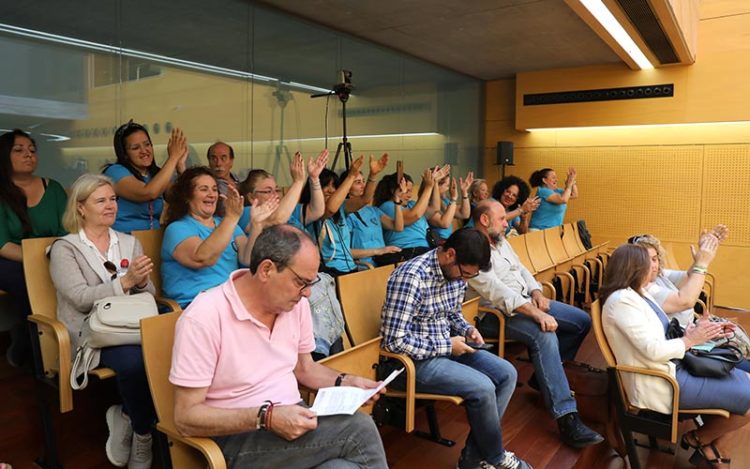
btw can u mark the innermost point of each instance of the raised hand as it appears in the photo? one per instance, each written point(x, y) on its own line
point(233, 204)
point(297, 168)
point(376, 166)
point(721, 232)
point(441, 172)
point(466, 183)
point(707, 246)
point(177, 145)
point(428, 178)
point(571, 179)
point(292, 421)
point(403, 186)
point(530, 204)
point(356, 166)
point(454, 189)
point(262, 211)
point(315, 166)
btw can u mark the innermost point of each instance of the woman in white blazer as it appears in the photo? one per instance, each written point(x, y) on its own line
point(635, 327)
point(94, 262)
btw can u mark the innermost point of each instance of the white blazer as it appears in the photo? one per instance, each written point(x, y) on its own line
point(636, 336)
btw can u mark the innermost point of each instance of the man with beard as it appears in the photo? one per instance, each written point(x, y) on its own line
point(551, 330)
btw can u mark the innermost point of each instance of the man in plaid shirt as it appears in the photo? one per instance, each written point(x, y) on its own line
point(422, 318)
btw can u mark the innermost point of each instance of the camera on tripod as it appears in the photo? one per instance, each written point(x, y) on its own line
point(344, 87)
point(342, 90)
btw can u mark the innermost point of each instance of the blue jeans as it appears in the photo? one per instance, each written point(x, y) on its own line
point(486, 383)
point(340, 441)
point(547, 350)
point(127, 361)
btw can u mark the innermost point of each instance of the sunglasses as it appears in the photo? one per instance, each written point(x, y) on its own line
point(111, 268)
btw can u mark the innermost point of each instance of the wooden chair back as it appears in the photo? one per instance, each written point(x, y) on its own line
point(555, 247)
point(601, 339)
point(518, 243)
point(151, 242)
point(362, 295)
point(569, 236)
point(470, 310)
point(42, 296)
point(157, 335)
point(538, 254)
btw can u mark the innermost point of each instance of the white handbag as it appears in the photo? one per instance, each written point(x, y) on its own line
point(114, 320)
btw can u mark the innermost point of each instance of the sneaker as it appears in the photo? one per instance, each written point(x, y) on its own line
point(510, 461)
point(120, 436)
point(574, 433)
point(140, 454)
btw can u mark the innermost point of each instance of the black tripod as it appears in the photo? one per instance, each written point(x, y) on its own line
point(342, 90)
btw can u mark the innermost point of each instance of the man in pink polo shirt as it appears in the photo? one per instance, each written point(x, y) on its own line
point(240, 351)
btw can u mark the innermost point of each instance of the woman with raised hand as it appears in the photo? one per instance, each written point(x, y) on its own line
point(139, 182)
point(91, 263)
point(448, 208)
point(413, 238)
point(553, 200)
point(200, 249)
point(635, 326)
point(260, 186)
point(30, 207)
point(513, 194)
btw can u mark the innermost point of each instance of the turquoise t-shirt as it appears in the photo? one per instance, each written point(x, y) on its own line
point(45, 217)
point(512, 223)
point(548, 215)
point(335, 242)
point(366, 229)
point(413, 236)
point(444, 233)
point(132, 216)
point(245, 218)
point(182, 283)
point(295, 218)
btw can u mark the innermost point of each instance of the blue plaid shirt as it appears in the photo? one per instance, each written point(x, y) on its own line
point(422, 309)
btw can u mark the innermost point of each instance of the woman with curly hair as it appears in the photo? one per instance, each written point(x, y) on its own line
point(513, 194)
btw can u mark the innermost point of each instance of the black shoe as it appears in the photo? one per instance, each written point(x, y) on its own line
point(574, 433)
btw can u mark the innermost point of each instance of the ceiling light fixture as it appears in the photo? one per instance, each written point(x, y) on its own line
point(602, 14)
point(635, 126)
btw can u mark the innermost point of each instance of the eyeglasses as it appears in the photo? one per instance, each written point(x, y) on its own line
point(464, 275)
point(305, 283)
point(111, 268)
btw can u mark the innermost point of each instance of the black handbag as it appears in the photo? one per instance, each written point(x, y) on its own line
point(716, 363)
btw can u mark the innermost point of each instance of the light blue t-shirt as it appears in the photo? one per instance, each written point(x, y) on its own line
point(182, 283)
point(245, 218)
point(335, 241)
point(512, 223)
point(131, 215)
point(413, 236)
point(366, 229)
point(548, 215)
point(295, 218)
point(444, 233)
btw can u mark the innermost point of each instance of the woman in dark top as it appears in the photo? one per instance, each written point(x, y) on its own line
point(30, 207)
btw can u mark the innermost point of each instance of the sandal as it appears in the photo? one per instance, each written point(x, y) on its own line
point(700, 456)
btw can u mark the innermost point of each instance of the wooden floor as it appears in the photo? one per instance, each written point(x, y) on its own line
point(528, 430)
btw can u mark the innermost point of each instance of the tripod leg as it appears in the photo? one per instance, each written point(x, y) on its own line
point(336, 158)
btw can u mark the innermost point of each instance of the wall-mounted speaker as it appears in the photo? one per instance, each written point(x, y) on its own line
point(505, 153)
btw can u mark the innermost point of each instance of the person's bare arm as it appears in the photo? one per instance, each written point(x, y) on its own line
point(262, 213)
point(317, 206)
point(12, 251)
point(334, 201)
point(690, 289)
point(413, 214)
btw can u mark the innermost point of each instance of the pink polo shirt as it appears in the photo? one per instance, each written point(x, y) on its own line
point(220, 345)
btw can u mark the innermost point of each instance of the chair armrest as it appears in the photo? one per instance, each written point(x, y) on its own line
point(62, 338)
point(551, 293)
point(659, 374)
point(567, 275)
point(411, 385)
point(206, 446)
point(168, 302)
point(501, 328)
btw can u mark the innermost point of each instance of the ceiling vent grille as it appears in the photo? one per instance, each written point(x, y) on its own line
point(644, 20)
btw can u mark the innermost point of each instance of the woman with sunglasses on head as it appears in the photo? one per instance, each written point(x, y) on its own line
point(635, 326)
point(91, 263)
point(139, 182)
point(553, 200)
point(260, 186)
point(513, 194)
point(30, 207)
point(201, 249)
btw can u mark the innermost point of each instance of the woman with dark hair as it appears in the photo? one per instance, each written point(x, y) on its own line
point(413, 239)
point(554, 201)
point(448, 206)
point(635, 327)
point(30, 207)
point(139, 182)
point(513, 194)
point(199, 249)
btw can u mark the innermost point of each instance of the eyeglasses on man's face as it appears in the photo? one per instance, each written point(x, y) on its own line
point(466, 275)
point(301, 282)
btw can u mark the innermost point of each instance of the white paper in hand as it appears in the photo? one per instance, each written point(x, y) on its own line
point(346, 400)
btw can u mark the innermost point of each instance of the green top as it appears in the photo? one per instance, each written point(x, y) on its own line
point(46, 217)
